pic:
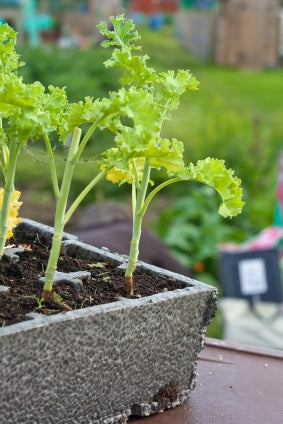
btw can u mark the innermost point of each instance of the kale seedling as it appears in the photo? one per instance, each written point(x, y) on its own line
point(27, 112)
point(140, 146)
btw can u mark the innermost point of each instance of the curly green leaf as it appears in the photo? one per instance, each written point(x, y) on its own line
point(213, 173)
point(123, 33)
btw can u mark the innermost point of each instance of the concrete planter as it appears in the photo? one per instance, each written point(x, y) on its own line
point(101, 364)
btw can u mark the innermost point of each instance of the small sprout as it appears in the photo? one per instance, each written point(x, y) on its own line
point(39, 301)
point(96, 265)
point(57, 298)
point(106, 279)
point(90, 300)
point(83, 302)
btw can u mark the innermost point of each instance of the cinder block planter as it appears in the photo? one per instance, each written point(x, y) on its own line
point(104, 363)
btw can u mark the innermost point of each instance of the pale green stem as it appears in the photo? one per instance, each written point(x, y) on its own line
point(156, 190)
point(7, 196)
point(52, 165)
point(137, 183)
point(135, 187)
point(137, 224)
point(134, 200)
point(59, 222)
point(82, 195)
point(2, 163)
point(87, 136)
point(84, 141)
point(2, 156)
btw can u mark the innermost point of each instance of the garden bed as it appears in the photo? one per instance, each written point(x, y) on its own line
point(105, 284)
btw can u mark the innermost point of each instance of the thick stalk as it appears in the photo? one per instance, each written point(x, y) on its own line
point(59, 223)
point(7, 196)
point(136, 234)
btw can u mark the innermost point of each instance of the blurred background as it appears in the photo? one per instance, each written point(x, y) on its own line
point(233, 47)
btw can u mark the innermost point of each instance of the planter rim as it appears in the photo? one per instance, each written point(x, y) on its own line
point(35, 319)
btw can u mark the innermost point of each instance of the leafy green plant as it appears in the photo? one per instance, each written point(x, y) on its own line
point(39, 301)
point(140, 147)
point(134, 115)
point(27, 112)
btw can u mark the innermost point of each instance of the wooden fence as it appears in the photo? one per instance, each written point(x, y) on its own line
point(239, 33)
point(246, 33)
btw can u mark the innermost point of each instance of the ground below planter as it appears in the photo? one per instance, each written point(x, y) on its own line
point(105, 285)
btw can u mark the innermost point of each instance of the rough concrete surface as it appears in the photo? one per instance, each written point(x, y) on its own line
point(99, 365)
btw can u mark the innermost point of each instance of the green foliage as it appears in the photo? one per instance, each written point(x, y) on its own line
point(213, 173)
point(139, 145)
point(123, 34)
point(81, 72)
point(192, 229)
point(133, 114)
point(236, 116)
point(27, 112)
point(39, 301)
point(9, 59)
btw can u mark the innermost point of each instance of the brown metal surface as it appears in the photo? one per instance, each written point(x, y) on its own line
point(236, 384)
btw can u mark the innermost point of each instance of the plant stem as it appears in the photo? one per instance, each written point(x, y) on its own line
point(134, 200)
point(84, 141)
point(2, 155)
point(88, 134)
point(82, 195)
point(8, 191)
point(137, 224)
point(156, 190)
point(52, 165)
point(60, 215)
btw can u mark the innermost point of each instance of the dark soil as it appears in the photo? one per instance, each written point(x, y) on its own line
point(106, 284)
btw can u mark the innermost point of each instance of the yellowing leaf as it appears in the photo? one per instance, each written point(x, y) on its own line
point(13, 218)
